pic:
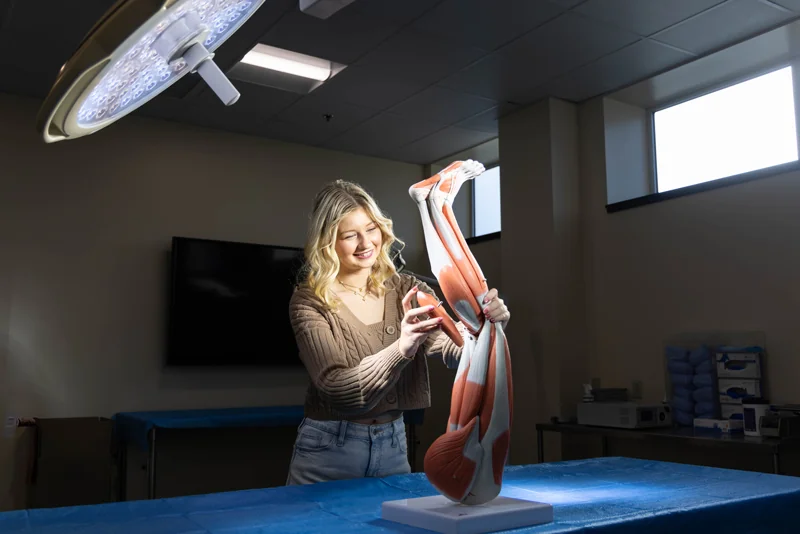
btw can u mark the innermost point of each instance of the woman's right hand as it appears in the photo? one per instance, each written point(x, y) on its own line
point(413, 330)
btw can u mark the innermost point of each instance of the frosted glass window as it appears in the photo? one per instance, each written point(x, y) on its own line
point(742, 128)
point(487, 202)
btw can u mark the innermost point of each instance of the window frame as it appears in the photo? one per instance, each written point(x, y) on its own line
point(485, 237)
point(726, 181)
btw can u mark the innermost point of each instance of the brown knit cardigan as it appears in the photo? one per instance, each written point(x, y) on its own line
point(357, 370)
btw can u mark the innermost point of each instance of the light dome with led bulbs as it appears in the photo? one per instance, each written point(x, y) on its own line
point(136, 51)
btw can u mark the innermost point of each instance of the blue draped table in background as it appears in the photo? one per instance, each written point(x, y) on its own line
point(139, 428)
point(135, 427)
point(608, 495)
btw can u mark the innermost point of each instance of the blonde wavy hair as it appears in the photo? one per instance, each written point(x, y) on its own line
point(332, 204)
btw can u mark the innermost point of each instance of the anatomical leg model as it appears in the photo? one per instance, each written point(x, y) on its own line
point(466, 462)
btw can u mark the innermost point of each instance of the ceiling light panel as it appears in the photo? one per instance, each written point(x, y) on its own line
point(283, 69)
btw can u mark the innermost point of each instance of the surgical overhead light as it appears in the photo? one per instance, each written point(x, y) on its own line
point(135, 52)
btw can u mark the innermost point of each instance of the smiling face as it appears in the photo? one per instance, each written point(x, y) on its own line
point(358, 242)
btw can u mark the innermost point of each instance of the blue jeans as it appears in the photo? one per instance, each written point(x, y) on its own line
point(338, 450)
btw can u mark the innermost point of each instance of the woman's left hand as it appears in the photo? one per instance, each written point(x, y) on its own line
point(495, 309)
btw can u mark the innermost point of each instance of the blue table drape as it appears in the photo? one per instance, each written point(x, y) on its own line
point(133, 427)
point(607, 495)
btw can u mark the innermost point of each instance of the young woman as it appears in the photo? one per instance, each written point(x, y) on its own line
point(363, 341)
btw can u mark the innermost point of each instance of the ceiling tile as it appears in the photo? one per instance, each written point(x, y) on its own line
point(644, 17)
point(546, 52)
point(43, 44)
point(5, 9)
point(255, 100)
point(723, 25)
point(382, 133)
point(482, 122)
point(487, 120)
point(421, 57)
point(400, 12)
point(566, 42)
point(635, 62)
point(794, 5)
point(373, 87)
point(227, 123)
point(311, 111)
point(65, 23)
point(441, 105)
point(249, 115)
point(486, 25)
point(567, 3)
point(224, 119)
point(440, 145)
point(425, 59)
point(342, 38)
point(498, 77)
point(218, 118)
point(19, 81)
point(297, 133)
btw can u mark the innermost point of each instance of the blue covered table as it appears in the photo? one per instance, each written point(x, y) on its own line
point(139, 428)
point(607, 495)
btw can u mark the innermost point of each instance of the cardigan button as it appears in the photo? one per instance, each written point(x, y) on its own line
point(391, 398)
point(390, 330)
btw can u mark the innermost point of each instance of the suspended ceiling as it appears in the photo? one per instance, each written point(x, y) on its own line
point(425, 78)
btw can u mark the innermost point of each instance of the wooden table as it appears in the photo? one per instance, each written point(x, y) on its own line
point(679, 435)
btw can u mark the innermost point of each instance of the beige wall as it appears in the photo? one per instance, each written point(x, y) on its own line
point(86, 235)
point(542, 266)
point(598, 295)
point(627, 137)
point(85, 240)
point(724, 261)
point(719, 265)
point(526, 216)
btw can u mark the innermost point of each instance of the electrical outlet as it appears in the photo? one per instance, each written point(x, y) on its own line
point(636, 389)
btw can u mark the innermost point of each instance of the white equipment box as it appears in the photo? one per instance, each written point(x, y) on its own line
point(624, 415)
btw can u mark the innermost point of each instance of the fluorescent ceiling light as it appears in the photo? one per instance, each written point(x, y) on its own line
point(269, 57)
point(135, 52)
point(283, 69)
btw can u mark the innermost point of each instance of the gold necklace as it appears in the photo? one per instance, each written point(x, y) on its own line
point(357, 290)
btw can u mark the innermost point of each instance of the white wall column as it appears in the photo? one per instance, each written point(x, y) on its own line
point(542, 267)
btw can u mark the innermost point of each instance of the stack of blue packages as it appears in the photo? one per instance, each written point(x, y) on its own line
point(704, 380)
point(681, 372)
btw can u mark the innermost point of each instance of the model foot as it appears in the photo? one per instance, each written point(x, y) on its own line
point(453, 178)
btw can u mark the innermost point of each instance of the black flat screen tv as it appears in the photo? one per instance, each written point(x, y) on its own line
point(229, 304)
